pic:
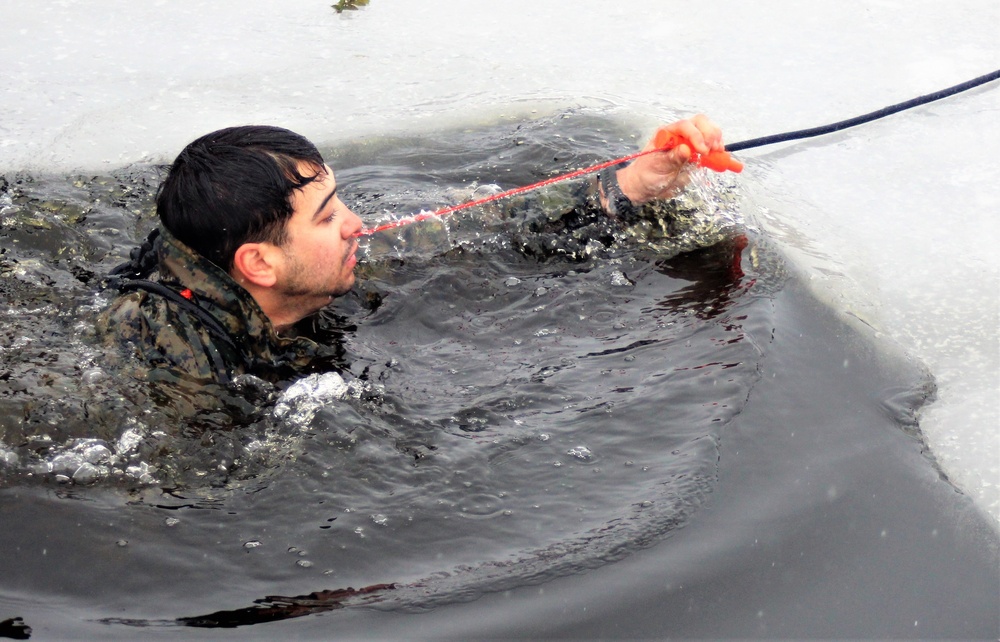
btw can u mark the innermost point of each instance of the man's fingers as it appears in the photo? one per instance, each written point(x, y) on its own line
point(702, 134)
point(689, 130)
point(682, 153)
point(710, 132)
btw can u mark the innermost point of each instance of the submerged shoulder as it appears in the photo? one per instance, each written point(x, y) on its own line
point(152, 330)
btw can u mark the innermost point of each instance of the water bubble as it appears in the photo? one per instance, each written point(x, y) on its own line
point(619, 279)
point(380, 519)
point(171, 521)
point(304, 398)
point(82, 458)
point(8, 457)
point(93, 376)
point(122, 543)
point(86, 473)
point(581, 452)
point(512, 281)
point(251, 544)
point(304, 563)
point(128, 441)
point(142, 472)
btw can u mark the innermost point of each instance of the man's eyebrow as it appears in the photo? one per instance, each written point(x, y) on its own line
point(322, 206)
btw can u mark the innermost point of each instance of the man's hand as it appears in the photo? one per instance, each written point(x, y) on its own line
point(663, 174)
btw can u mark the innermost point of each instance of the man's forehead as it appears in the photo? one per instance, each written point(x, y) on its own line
point(326, 178)
point(322, 172)
point(320, 189)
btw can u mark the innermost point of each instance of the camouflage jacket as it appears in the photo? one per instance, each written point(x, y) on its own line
point(178, 345)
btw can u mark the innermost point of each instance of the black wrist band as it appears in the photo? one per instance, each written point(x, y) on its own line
point(619, 205)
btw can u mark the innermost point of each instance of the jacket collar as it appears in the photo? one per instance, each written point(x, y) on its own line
point(216, 291)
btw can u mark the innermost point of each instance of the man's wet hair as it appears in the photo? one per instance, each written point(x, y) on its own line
point(234, 186)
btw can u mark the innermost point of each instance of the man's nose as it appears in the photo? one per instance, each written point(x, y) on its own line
point(352, 226)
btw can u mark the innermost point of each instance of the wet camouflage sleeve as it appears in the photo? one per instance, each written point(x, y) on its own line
point(538, 223)
point(567, 220)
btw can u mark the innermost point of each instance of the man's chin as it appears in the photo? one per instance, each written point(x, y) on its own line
point(342, 290)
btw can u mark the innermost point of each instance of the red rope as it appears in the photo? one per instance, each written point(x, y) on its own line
point(444, 211)
point(664, 141)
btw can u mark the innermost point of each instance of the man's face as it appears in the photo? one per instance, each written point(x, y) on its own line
point(318, 253)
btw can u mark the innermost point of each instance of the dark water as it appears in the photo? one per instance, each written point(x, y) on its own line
point(633, 442)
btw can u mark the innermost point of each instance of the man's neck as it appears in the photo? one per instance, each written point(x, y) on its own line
point(282, 311)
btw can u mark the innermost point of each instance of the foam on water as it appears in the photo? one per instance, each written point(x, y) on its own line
point(304, 398)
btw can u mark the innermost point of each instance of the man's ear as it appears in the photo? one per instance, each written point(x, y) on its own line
point(256, 263)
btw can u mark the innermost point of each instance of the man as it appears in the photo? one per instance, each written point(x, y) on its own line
point(254, 240)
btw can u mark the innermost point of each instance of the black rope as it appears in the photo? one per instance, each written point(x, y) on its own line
point(866, 118)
